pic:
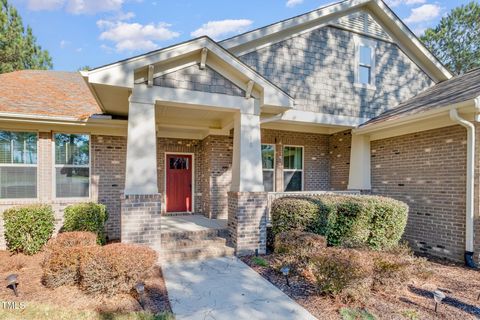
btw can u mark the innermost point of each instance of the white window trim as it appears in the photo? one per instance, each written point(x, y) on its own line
point(372, 44)
point(274, 169)
point(294, 170)
point(167, 153)
point(5, 200)
point(54, 165)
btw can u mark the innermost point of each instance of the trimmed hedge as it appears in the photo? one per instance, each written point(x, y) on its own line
point(351, 221)
point(300, 214)
point(28, 228)
point(88, 216)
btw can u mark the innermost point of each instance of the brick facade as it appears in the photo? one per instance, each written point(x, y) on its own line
point(427, 170)
point(140, 219)
point(247, 222)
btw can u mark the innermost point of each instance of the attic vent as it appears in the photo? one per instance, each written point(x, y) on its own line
point(363, 22)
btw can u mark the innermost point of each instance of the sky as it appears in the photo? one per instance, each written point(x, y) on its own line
point(92, 33)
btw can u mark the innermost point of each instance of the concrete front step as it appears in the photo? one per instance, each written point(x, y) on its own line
point(195, 253)
point(193, 245)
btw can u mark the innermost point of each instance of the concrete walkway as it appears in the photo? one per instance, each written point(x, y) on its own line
point(226, 288)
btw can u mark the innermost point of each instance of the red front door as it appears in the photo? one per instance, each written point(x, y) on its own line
point(179, 183)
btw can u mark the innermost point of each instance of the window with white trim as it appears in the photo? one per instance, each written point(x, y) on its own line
point(18, 165)
point(72, 165)
point(292, 168)
point(365, 62)
point(268, 166)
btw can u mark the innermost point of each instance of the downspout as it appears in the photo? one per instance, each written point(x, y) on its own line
point(469, 262)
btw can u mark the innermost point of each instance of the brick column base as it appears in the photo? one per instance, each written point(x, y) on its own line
point(247, 222)
point(140, 219)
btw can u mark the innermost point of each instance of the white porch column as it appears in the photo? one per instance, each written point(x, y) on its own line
point(247, 175)
point(141, 173)
point(360, 174)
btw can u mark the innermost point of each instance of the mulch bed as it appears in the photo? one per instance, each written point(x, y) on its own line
point(414, 301)
point(31, 289)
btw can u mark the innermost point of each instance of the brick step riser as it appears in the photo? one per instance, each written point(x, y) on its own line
point(194, 236)
point(191, 244)
point(196, 255)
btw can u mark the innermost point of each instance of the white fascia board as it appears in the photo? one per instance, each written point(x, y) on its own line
point(144, 94)
point(388, 124)
point(309, 17)
point(322, 118)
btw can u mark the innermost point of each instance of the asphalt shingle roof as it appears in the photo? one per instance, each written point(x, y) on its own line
point(49, 93)
point(455, 90)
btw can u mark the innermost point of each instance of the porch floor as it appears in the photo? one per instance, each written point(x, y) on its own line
point(190, 223)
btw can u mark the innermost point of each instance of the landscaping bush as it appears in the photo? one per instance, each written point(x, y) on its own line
point(88, 216)
point(28, 228)
point(343, 272)
point(345, 220)
point(300, 214)
point(387, 223)
point(348, 223)
point(299, 243)
point(62, 264)
point(116, 268)
point(74, 239)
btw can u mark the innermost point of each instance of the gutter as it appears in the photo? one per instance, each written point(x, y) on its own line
point(469, 225)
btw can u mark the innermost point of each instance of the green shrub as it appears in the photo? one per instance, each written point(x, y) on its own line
point(116, 268)
point(299, 243)
point(28, 228)
point(387, 223)
point(348, 223)
point(88, 216)
point(300, 214)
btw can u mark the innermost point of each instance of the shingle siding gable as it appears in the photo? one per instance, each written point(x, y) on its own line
point(194, 78)
point(317, 69)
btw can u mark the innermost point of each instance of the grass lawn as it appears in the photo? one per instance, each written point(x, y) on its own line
point(413, 300)
point(69, 302)
point(46, 312)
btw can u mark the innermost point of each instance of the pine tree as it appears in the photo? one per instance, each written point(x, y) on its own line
point(18, 46)
point(456, 39)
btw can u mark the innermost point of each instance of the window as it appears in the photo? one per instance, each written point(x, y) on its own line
point(179, 163)
point(268, 165)
point(292, 168)
point(18, 165)
point(365, 62)
point(72, 165)
point(365, 65)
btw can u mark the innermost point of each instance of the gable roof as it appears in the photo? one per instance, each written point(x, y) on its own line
point(450, 92)
point(48, 93)
point(406, 39)
point(121, 73)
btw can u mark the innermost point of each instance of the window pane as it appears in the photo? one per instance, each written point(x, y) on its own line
point(268, 156)
point(179, 163)
point(18, 147)
point(364, 75)
point(72, 182)
point(268, 180)
point(365, 55)
point(18, 182)
point(292, 180)
point(292, 158)
point(72, 149)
